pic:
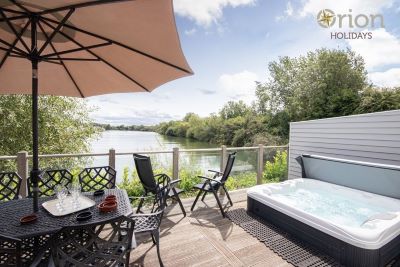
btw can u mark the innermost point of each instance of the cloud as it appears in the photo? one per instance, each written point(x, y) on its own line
point(239, 85)
point(289, 11)
point(208, 91)
point(383, 49)
point(132, 117)
point(389, 78)
point(312, 7)
point(206, 12)
point(190, 32)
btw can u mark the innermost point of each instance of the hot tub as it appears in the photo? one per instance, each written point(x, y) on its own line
point(359, 218)
point(356, 227)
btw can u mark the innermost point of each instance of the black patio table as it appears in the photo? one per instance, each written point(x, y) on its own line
point(47, 224)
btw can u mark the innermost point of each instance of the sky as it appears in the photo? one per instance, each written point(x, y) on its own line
point(229, 43)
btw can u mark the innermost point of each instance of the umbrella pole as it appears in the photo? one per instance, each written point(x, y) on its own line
point(35, 120)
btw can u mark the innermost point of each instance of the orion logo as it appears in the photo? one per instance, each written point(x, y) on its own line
point(327, 18)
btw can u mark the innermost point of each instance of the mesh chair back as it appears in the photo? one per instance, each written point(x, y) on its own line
point(228, 167)
point(10, 183)
point(151, 221)
point(145, 172)
point(10, 252)
point(96, 244)
point(49, 180)
point(97, 178)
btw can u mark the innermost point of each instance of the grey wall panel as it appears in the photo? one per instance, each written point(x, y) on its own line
point(373, 137)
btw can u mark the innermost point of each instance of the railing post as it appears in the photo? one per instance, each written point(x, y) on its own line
point(22, 170)
point(224, 156)
point(175, 163)
point(260, 163)
point(111, 158)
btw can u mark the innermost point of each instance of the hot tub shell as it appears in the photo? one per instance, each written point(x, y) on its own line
point(346, 253)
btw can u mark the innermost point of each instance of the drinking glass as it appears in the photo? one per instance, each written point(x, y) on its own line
point(61, 193)
point(75, 191)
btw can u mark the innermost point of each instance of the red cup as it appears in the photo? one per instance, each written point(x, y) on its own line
point(110, 197)
point(108, 206)
point(28, 219)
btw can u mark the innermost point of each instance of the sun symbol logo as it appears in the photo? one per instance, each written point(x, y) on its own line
point(326, 18)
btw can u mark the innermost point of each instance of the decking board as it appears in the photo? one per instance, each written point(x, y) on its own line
point(204, 238)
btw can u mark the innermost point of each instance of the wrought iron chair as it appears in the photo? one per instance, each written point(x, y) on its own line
point(97, 178)
point(150, 222)
point(49, 179)
point(212, 185)
point(10, 183)
point(10, 252)
point(95, 244)
point(151, 183)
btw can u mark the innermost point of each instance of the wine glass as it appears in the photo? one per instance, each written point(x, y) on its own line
point(61, 193)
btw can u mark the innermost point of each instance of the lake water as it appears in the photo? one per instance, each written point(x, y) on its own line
point(134, 141)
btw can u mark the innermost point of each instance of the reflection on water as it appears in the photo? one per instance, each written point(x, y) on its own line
point(133, 141)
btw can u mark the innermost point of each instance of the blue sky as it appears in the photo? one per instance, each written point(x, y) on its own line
point(229, 43)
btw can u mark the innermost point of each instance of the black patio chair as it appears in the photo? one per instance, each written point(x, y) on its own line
point(96, 244)
point(212, 185)
point(150, 222)
point(49, 179)
point(97, 178)
point(10, 252)
point(151, 183)
point(10, 184)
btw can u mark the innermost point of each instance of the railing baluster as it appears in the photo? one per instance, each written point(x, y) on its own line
point(175, 163)
point(22, 170)
point(224, 155)
point(111, 158)
point(260, 163)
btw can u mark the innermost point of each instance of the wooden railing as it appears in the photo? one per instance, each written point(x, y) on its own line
point(23, 157)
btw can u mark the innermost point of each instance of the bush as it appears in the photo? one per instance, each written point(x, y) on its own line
point(276, 170)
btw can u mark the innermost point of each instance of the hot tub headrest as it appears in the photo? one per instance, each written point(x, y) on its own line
point(366, 176)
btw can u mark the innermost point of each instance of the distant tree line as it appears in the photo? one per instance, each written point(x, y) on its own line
point(142, 128)
point(324, 83)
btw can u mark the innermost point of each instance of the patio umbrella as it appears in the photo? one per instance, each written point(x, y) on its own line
point(82, 48)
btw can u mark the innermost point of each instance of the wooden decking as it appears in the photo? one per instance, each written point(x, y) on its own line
point(204, 238)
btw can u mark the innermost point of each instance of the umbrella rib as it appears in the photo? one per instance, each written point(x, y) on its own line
point(56, 30)
point(72, 58)
point(52, 62)
point(120, 44)
point(14, 18)
point(12, 46)
point(21, 6)
point(14, 30)
point(62, 63)
point(100, 58)
point(14, 43)
point(75, 50)
point(80, 5)
point(12, 11)
point(15, 52)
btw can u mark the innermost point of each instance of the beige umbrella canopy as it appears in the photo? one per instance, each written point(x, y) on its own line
point(132, 46)
point(83, 48)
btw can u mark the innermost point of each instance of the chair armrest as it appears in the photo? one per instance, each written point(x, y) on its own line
point(218, 172)
point(133, 216)
point(174, 182)
point(209, 179)
point(133, 198)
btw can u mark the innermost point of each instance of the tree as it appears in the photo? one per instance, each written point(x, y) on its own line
point(379, 99)
point(64, 125)
point(322, 84)
point(234, 109)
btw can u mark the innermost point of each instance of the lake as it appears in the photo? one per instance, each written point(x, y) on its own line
point(134, 141)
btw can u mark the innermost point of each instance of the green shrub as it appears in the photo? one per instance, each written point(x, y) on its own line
point(276, 170)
